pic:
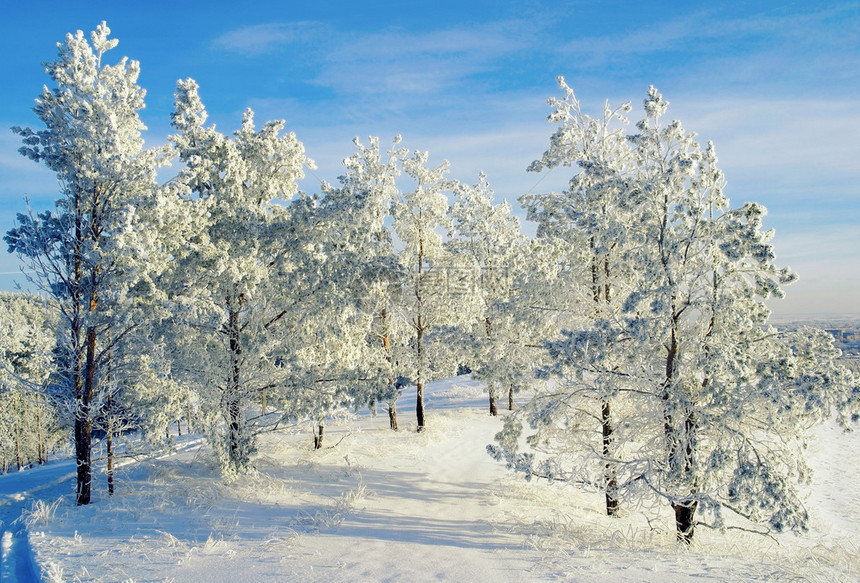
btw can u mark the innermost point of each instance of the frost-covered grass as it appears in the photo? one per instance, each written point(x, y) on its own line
point(378, 505)
point(40, 513)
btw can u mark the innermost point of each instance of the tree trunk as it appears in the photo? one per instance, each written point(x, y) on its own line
point(83, 421)
point(511, 397)
point(609, 472)
point(19, 458)
point(233, 398)
point(602, 296)
point(681, 444)
point(494, 410)
point(668, 405)
point(83, 443)
point(386, 347)
point(318, 437)
point(419, 404)
point(392, 415)
point(419, 385)
point(110, 457)
point(420, 326)
point(685, 511)
point(179, 427)
point(234, 434)
point(42, 447)
point(81, 371)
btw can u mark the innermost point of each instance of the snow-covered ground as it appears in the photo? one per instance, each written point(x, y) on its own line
point(375, 505)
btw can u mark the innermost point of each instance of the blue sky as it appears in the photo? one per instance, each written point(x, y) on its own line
point(776, 86)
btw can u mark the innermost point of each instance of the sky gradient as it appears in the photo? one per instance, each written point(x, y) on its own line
point(775, 85)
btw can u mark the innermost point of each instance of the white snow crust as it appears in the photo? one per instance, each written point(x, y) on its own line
point(377, 505)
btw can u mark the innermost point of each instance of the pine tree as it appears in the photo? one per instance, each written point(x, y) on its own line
point(237, 269)
point(705, 270)
point(29, 420)
point(716, 402)
point(419, 216)
point(77, 253)
point(361, 245)
point(486, 240)
point(588, 221)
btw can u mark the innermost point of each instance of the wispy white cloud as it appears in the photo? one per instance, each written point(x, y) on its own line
point(265, 38)
point(600, 50)
point(692, 32)
point(403, 62)
point(392, 62)
point(816, 135)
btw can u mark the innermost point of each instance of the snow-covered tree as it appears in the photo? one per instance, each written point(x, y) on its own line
point(78, 253)
point(393, 267)
point(360, 242)
point(239, 268)
point(420, 220)
point(589, 223)
point(705, 272)
point(492, 253)
point(29, 421)
point(716, 402)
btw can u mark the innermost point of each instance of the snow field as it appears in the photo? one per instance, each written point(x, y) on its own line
point(375, 505)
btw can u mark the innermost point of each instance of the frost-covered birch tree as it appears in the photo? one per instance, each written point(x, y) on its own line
point(716, 403)
point(78, 253)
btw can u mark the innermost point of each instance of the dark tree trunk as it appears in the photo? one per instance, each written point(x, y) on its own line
point(494, 410)
point(609, 471)
point(419, 404)
point(83, 425)
point(40, 436)
point(386, 347)
point(420, 326)
point(419, 385)
point(681, 443)
point(685, 511)
point(602, 294)
point(83, 422)
point(233, 397)
point(85, 398)
point(109, 432)
point(491, 387)
point(511, 397)
point(110, 458)
point(234, 434)
point(19, 458)
point(318, 436)
point(392, 415)
point(83, 437)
